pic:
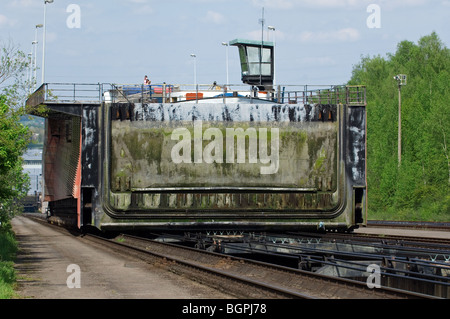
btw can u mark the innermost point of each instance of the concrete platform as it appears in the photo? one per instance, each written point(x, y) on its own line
point(45, 254)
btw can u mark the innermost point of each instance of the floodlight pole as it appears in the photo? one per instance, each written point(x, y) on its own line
point(195, 68)
point(273, 57)
point(226, 44)
point(35, 44)
point(401, 80)
point(43, 40)
point(399, 124)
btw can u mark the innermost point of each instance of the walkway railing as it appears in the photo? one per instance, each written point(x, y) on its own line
point(85, 93)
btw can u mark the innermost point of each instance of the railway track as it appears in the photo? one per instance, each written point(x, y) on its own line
point(413, 265)
point(247, 278)
point(425, 242)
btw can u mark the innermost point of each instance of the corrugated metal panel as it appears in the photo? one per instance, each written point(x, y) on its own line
point(62, 156)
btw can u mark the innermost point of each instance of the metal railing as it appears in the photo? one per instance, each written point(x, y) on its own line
point(85, 93)
point(315, 94)
point(73, 92)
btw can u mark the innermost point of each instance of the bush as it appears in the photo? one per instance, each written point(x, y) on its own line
point(8, 249)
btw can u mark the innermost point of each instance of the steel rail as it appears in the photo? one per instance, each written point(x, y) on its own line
point(381, 249)
point(313, 283)
point(192, 269)
point(383, 238)
point(332, 257)
point(266, 288)
point(339, 287)
point(307, 253)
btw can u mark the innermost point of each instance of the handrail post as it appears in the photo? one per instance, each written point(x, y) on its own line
point(347, 95)
point(170, 92)
point(278, 93)
point(224, 94)
point(164, 92)
point(306, 94)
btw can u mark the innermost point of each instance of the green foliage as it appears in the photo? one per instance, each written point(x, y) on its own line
point(8, 249)
point(14, 137)
point(419, 188)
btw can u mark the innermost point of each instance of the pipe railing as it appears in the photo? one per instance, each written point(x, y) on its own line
point(170, 93)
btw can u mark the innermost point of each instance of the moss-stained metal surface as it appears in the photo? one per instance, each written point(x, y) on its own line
point(141, 157)
point(208, 166)
point(150, 172)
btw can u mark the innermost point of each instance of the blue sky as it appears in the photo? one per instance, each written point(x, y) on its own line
point(119, 41)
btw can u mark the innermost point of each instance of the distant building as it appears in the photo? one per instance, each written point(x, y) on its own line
point(33, 167)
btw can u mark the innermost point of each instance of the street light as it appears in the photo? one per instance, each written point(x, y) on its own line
point(401, 80)
point(30, 70)
point(272, 28)
point(43, 40)
point(35, 43)
point(226, 44)
point(195, 68)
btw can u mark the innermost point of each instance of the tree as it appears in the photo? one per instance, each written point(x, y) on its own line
point(420, 187)
point(13, 83)
point(14, 137)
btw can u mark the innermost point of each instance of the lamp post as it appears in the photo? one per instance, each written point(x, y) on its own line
point(195, 68)
point(227, 45)
point(43, 40)
point(401, 80)
point(272, 28)
point(33, 64)
point(35, 43)
point(30, 70)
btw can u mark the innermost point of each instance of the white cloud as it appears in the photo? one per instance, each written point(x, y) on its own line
point(278, 4)
point(145, 9)
point(214, 17)
point(324, 4)
point(141, 7)
point(288, 4)
point(51, 37)
point(256, 35)
point(333, 3)
point(138, 1)
point(342, 35)
point(319, 61)
point(5, 21)
point(26, 3)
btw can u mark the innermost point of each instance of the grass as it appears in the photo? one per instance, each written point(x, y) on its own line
point(406, 214)
point(8, 249)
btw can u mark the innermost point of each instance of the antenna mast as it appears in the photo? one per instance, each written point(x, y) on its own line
point(262, 21)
